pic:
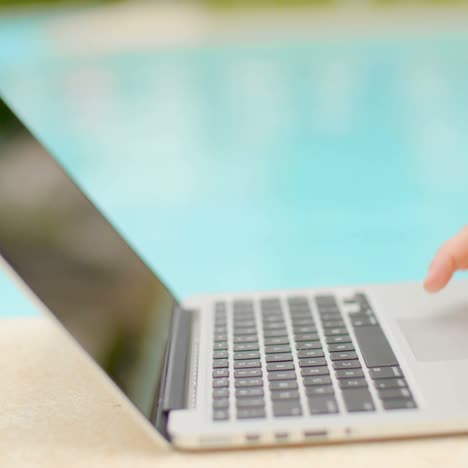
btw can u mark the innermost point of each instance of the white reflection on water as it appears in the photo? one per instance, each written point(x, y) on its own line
point(337, 86)
point(436, 116)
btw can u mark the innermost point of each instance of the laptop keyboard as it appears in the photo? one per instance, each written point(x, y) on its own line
point(302, 361)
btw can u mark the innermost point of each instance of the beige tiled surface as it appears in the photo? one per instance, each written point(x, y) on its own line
point(56, 412)
point(129, 26)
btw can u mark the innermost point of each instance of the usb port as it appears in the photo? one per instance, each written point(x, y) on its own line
point(252, 438)
point(315, 434)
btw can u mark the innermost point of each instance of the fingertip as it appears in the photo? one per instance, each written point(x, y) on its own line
point(430, 286)
point(438, 276)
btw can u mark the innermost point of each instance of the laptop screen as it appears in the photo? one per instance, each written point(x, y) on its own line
point(79, 267)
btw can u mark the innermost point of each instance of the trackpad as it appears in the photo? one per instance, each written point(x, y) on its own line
point(442, 336)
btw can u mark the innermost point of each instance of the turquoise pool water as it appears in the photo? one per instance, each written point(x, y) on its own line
point(272, 165)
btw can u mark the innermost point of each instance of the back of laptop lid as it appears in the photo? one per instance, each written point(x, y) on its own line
point(80, 268)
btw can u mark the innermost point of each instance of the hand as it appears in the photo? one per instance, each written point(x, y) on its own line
point(451, 257)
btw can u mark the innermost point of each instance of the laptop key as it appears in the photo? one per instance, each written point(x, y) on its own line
point(338, 339)
point(221, 415)
point(329, 311)
point(274, 325)
point(297, 300)
point(242, 355)
point(353, 383)
point(352, 364)
point(389, 383)
point(275, 333)
point(243, 373)
point(244, 331)
point(385, 372)
point(325, 299)
point(248, 382)
point(282, 357)
point(251, 413)
point(280, 366)
point(331, 304)
point(394, 394)
point(277, 349)
point(302, 321)
point(358, 399)
point(220, 373)
point(299, 309)
point(281, 340)
point(250, 402)
point(238, 324)
point(316, 390)
point(340, 347)
point(240, 305)
point(246, 347)
point(220, 346)
point(221, 403)
point(335, 331)
point(284, 395)
point(243, 315)
point(246, 339)
point(220, 392)
point(329, 316)
point(272, 317)
point(343, 356)
point(220, 363)
point(313, 371)
point(301, 314)
point(218, 383)
point(270, 302)
point(306, 337)
point(283, 385)
point(249, 392)
point(332, 323)
point(286, 409)
point(399, 404)
point(220, 355)
point(363, 321)
point(220, 307)
point(310, 353)
point(282, 375)
point(309, 345)
point(375, 347)
point(323, 405)
point(247, 364)
point(305, 329)
point(349, 373)
point(312, 362)
point(317, 380)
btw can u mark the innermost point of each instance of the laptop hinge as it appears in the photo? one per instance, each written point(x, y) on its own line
point(175, 390)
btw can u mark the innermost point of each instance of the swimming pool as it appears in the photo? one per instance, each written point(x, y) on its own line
point(274, 165)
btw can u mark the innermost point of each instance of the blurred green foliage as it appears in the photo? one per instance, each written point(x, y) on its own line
point(20, 3)
point(289, 3)
point(238, 3)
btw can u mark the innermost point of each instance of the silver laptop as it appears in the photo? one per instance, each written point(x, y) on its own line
point(230, 370)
